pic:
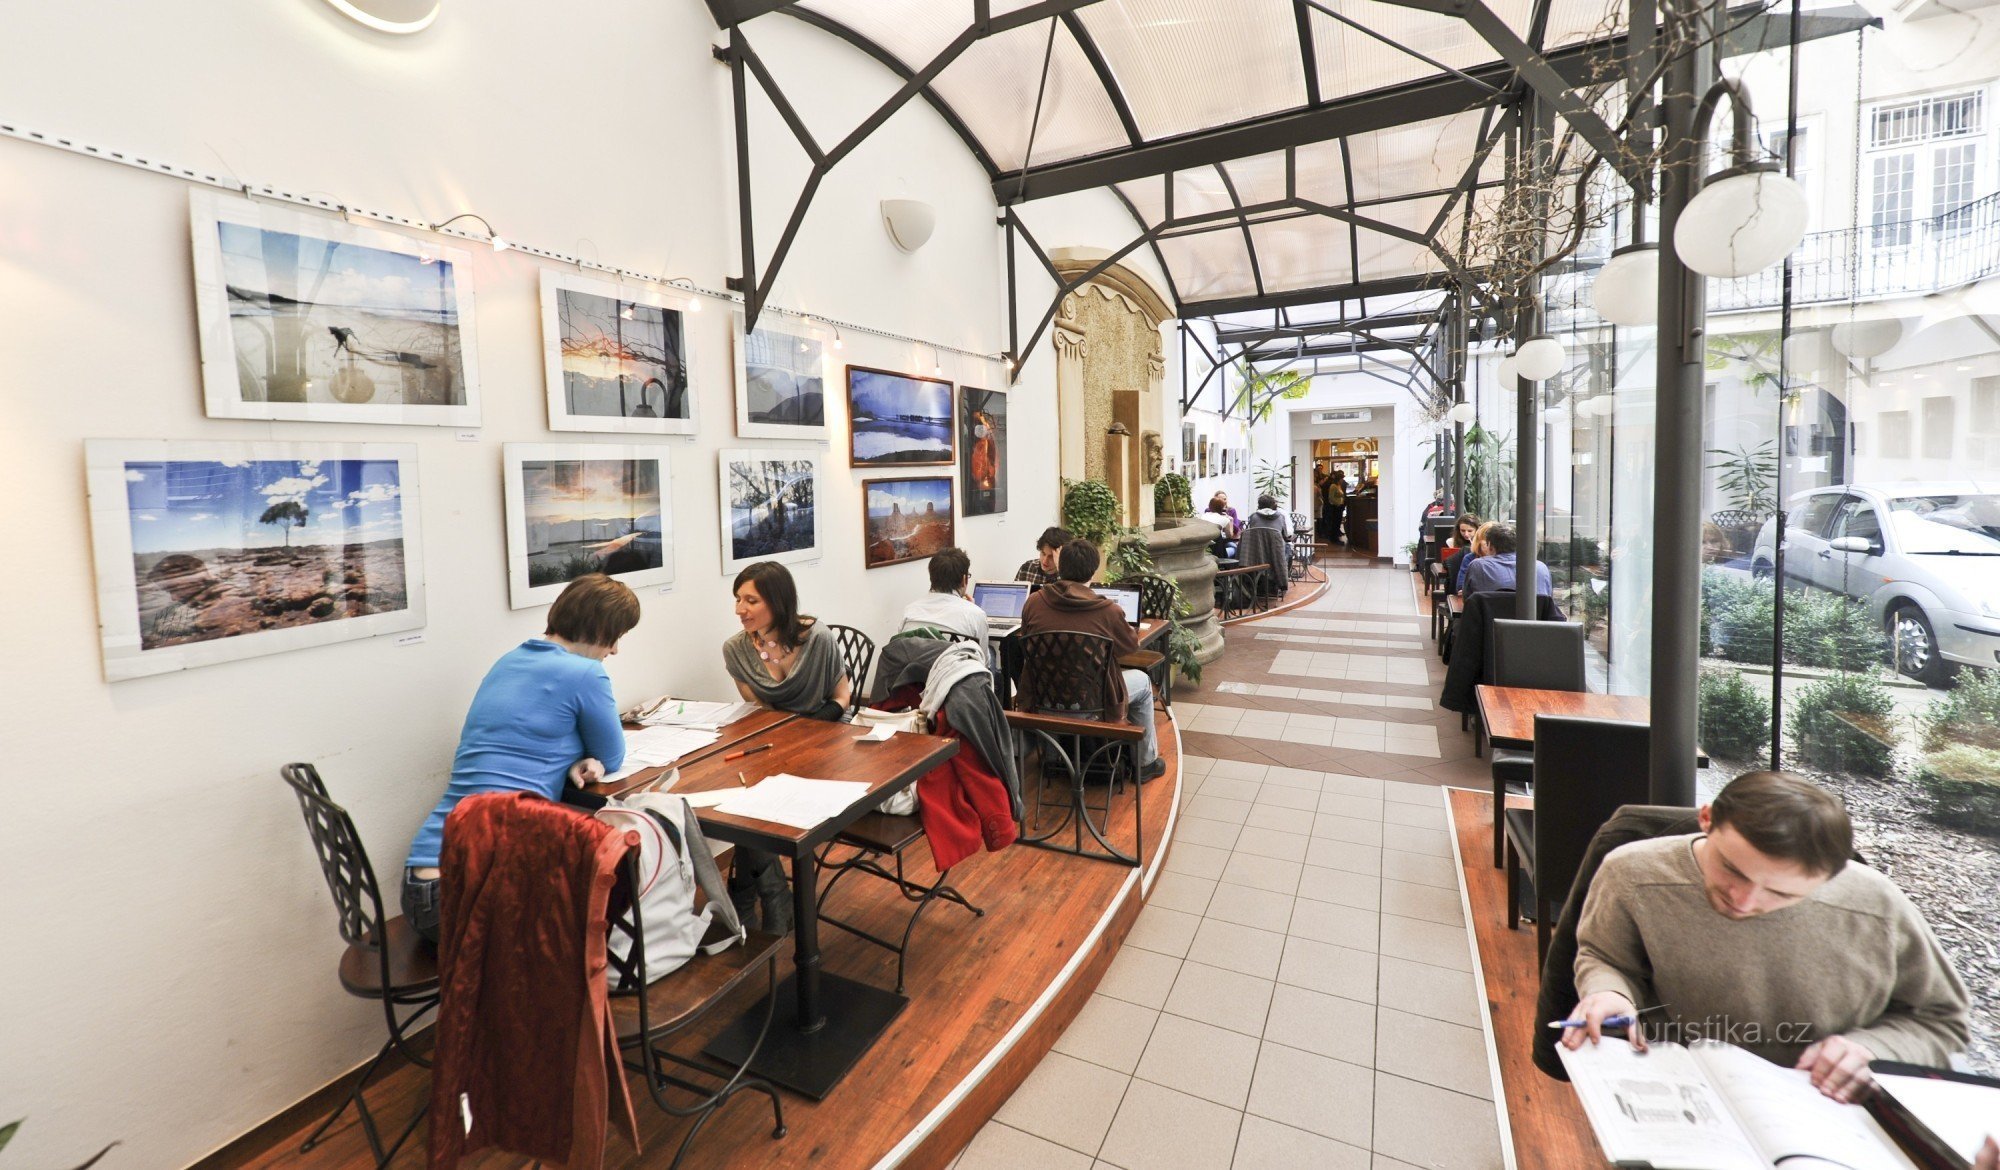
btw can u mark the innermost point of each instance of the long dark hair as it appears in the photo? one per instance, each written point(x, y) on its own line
point(774, 584)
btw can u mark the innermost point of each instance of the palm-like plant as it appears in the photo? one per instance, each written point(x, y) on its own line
point(1749, 476)
point(1273, 479)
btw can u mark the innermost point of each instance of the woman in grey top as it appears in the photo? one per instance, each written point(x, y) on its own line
point(788, 662)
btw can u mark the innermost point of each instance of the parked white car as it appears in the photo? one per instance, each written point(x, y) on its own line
point(1924, 556)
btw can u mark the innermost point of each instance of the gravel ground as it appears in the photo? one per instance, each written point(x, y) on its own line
point(1952, 876)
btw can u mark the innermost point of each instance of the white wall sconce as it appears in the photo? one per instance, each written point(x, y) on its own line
point(400, 17)
point(909, 222)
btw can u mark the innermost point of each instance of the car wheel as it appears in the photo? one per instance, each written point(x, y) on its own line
point(1760, 570)
point(1913, 646)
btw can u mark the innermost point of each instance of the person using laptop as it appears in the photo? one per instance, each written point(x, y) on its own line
point(1042, 570)
point(947, 606)
point(1069, 604)
point(1760, 931)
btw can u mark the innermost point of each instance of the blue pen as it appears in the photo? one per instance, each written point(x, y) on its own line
point(1609, 1022)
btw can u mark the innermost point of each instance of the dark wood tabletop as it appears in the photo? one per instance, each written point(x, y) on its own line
point(1508, 713)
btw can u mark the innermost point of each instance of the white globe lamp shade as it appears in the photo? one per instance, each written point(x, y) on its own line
point(1508, 371)
point(1743, 221)
point(1802, 353)
point(1627, 288)
point(1462, 413)
point(1867, 339)
point(1540, 358)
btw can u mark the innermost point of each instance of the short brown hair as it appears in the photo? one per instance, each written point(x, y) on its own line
point(1498, 537)
point(949, 569)
point(1787, 816)
point(1053, 537)
point(594, 610)
point(1078, 561)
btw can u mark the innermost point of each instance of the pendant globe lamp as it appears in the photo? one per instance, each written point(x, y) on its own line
point(1627, 289)
point(1508, 371)
point(1746, 217)
point(1540, 358)
point(1463, 413)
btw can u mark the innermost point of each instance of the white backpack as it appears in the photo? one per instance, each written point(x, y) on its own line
point(673, 861)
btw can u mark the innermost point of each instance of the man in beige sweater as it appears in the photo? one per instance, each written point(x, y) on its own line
point(1760, 932)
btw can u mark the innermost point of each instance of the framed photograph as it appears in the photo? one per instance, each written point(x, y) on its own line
point(1201, 456)
point(781, 379)
point(574, 509)
point(616, 357)
point(982, 449)
point(309, 318)
point(905, 519)
point(1187, 444)
point(768, 506)
point(898, 420)
point(210, 552)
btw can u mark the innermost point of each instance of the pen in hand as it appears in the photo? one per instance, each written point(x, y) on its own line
point(1609, 1022)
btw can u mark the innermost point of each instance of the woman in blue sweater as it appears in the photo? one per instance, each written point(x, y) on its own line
point(543, 715)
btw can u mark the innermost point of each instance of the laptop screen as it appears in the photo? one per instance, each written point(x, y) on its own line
point(1127, 597)
point(1000, 599)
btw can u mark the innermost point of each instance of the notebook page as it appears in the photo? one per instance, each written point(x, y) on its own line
point(1789, 1119)
point(1657, 1108)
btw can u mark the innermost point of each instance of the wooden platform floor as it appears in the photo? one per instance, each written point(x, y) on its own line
point(971, 980)
point(1547, 1122)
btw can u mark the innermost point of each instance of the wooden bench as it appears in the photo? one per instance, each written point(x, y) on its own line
point(1237, 591)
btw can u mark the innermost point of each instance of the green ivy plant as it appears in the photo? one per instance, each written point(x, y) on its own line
point(1173, 495)
point(1090, 510)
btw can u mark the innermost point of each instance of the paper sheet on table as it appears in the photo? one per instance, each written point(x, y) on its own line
point(671, 712)
point(877, 733)
point(793, 800)
point(658, 747)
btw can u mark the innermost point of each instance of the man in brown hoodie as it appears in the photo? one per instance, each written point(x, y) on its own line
point(1069, 604)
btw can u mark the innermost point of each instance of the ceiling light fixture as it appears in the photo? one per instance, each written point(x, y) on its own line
point(1747, 216)
point(400, 17)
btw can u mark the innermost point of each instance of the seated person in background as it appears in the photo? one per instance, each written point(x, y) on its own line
point(946, 606)
point(1268, 516)
point(1494, 568)
point(1473, 545)
point(1222, 514)
point(1069, 604)
point(1457, 551)
point(542, 715)
point(1042, 570)
point(787, 662)
point(1761, 932)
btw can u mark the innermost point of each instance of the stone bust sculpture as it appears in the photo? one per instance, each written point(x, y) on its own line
point(1154, 454)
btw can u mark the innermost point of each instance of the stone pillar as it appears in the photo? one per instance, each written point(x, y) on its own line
point(1118, 470)
point(1180, 551)
point(1072, 460)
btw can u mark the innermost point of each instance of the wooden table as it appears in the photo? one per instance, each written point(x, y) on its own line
point(838, 1019)
point(732, 734)
point(1508, 713)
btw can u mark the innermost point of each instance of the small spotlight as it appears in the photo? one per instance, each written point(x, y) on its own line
point(625, 311)
point(500, 243)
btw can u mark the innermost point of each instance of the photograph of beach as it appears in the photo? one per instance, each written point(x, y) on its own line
point(768, 502)
point(584, 516)
point(897, 419)
point(229, 549)
point(619, 361)
point(780, 380)
point(907, 519)
point(982, 449)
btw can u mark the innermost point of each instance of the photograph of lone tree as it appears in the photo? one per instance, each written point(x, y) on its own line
point(223, 549)
point(768, 503)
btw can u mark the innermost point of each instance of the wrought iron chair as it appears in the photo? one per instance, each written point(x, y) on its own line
point(385, 959)
point(857, 652)
point(1157, 595)
point(874, 837)
point(647, 1013)
point(1071, 674)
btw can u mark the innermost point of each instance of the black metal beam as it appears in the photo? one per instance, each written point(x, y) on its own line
point(1310, 329)
point(1308, 54)
point(1249, 241)
point(1385, 287)
point(1098, 65)
point(730, 13)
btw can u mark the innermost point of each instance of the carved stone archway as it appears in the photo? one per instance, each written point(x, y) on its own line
point(1109, 367)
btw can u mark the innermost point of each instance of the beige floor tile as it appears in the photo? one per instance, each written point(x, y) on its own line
point(1002, 1147)
point(1334, 827)
point(1225, 999)
point(1436, 1052)
point(1291, 798)
point(1284, 820)
point(1359, 890)
point(1202, 861)
point(1430, 842)
point(1282, 845)
point(1140, 976)
point(1430, 903)
point(1329, 922)
point(1110, 1032)
point(1292, 778)
point(1344, 855)
point(1264, 1144)
point(1428, 1126)
point(1426, 942)
point(1328, 1097)
point(1197, 765)
point(1419, 868)
point(1263, 873)
point(1167, 931)
point(1243, 949)
point(1250, 906)
point(1238, 770)
point(1067, 1101)
point(1422, 816)
point(1329, 1025)
point(1216, 808)
point(1345, 785)
point(1426, 990)
point(1178, 891)
point(1194, 830)
point(1360, 808)
point(1200, 1059)
point(1158, 1128)
point(1329, 969)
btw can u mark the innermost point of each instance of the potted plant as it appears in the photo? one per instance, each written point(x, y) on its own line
point(1274, 480)
point(1090, 510)
point(1173, 496)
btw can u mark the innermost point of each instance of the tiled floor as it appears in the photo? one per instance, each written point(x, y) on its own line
point(1298, 989)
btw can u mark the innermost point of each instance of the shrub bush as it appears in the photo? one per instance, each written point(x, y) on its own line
point(1734, 717)
point(1741, 616)
point(1845, 724)
point(1970, 714)
point(1090, 510)
point(1963, 784)
point(1173, 495)
point(1827, 630)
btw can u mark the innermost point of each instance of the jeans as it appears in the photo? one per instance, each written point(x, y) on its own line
point(420, 904)
point(1139, 709)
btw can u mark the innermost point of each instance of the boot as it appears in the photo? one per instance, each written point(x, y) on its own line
point(743, 891)
point(775, 893)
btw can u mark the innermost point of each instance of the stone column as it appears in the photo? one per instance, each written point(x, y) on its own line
point(1180, 551)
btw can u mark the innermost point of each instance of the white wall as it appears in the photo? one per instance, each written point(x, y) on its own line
point(169, 969)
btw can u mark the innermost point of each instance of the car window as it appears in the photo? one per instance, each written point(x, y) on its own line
point(1857, 518)
point(1812, 515)
point(1947, 524)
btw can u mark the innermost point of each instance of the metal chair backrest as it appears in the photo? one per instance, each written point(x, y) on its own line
point(1071, 670)
point(857, 653)
point(1584, 772)
point(342, 859)
point(1156, 596)
point(1547, 656)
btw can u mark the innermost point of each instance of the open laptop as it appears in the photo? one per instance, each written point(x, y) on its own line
point(1002, 601)
point(1127, 597)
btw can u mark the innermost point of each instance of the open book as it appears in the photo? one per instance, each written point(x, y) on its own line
point(1717, 1107)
